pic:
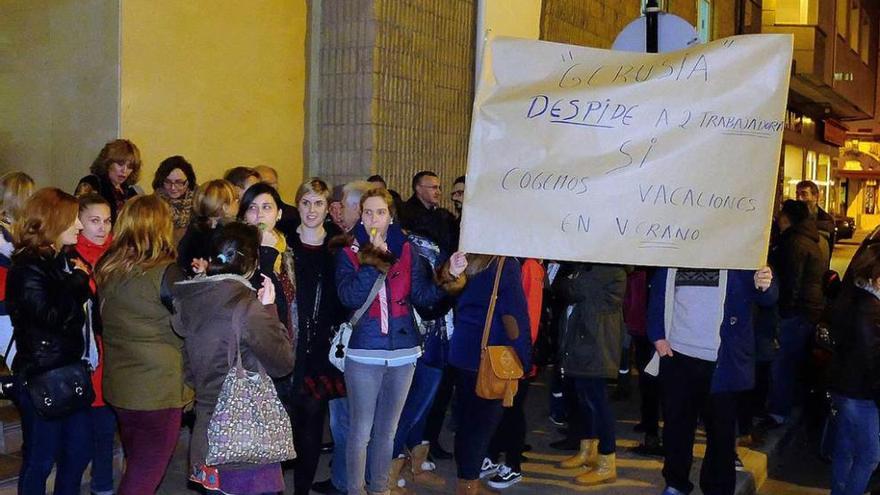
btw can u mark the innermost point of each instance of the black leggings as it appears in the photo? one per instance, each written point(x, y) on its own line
point(434, 423)
point(308, 432)
point(510, 435)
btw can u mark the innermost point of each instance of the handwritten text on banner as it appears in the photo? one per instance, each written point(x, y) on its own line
point(649, 159)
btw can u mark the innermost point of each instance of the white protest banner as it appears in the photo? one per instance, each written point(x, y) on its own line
point(616, 157)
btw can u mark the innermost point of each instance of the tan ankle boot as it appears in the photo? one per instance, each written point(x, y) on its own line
point(394, 476)
point(605, 472)
point(418, 459)
point(472, 487)
point(586, 456)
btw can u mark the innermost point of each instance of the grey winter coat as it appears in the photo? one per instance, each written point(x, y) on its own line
point(590, 338)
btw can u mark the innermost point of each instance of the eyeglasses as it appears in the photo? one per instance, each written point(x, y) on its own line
point(176, 183)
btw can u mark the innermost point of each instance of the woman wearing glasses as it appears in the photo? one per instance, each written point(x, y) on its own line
point(175, 182)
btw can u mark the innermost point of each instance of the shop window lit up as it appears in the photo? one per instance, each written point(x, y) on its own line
point(800, 12)
point(870, 200)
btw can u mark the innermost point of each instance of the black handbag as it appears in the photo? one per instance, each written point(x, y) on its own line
point(61, 391)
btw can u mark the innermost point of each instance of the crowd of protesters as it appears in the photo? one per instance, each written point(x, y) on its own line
point(150, 295)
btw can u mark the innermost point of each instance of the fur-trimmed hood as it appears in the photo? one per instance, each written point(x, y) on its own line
point(359, 240)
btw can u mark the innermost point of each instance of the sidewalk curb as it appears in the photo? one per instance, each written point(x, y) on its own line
point(749, 482)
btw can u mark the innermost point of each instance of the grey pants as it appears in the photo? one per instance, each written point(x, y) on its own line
point(376, 394)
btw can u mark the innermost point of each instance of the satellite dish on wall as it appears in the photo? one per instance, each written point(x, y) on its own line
point(674, 34)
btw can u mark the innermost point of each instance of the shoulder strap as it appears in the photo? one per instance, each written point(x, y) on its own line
point(492, 299)
point(377, 286)
point(234, 350)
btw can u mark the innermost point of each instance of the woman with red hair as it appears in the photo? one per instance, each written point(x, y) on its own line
point(45, 298)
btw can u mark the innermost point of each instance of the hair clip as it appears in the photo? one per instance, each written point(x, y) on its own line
point(222, 258)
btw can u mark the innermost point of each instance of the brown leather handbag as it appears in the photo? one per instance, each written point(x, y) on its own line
point(500, 367)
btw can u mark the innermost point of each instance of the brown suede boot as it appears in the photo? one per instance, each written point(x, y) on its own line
point(605, 472)
point(418, 459)
point(586, 456)
point(472, 487)
point(394, 476)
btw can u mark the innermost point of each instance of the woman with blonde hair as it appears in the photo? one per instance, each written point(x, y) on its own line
point(213, 202)
point(114, 173)
point(315, 380)
point(47, 294)
point(143, 357)
point(15, 189)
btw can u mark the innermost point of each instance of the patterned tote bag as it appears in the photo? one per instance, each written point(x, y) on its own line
point(249, 425)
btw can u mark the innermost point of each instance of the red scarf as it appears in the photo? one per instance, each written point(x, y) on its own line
point(91, 253)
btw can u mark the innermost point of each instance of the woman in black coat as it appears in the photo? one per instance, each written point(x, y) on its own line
point(114, 173)
point(855, 376)
point(46, 294)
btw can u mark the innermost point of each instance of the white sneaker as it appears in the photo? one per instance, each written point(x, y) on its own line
point(488, 468)
point(505, 477)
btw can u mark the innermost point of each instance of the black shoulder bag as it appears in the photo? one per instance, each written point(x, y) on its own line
point(59, 392)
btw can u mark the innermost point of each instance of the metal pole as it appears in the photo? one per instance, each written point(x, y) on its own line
point(652, 9)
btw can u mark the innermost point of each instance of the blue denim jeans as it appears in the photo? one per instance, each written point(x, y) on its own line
point(376, 394)
point(104, 432)
point(411, 428)
point(66, 441)
point(339, 431)
point(857, 446)
point(596, 411)
point(785, 374)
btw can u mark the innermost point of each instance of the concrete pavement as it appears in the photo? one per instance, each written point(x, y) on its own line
point(636, 475)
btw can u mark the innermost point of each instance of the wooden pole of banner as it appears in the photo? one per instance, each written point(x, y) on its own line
point(652, 10)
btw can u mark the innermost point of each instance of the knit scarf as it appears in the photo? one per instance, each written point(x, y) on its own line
point(181, 208)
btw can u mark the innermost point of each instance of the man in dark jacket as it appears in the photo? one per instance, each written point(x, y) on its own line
point(808, 193)
point(701, 324)
point(799, 265)
point(422, 215)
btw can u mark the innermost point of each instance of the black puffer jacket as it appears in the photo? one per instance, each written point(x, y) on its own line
point(800, 265)
point(855, 368)
point(45, 299)
point(437, 224)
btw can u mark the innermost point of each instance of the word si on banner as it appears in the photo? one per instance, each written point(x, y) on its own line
point(594, 155)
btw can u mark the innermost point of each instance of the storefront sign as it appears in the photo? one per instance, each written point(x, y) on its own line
point(648, 159)
point(833, 132)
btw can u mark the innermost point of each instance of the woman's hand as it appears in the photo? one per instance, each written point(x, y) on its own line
point(199, 265)
point(378, 240)
point(457, 263)
point(266, 293)
point(763, 278)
